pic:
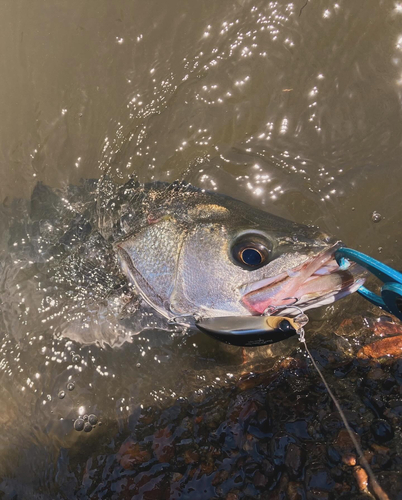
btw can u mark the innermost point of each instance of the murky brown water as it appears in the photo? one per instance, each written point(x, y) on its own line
point(292, 107)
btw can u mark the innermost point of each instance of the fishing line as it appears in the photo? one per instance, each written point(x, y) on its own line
point(379, 492)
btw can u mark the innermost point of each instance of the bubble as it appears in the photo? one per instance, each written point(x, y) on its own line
point(376, 217)
point(62, 394)
point(76, 358)
point(85, 417)
point(70, 386)
point(79, 424)
point(93, 419)
point(87, 427)
point(138, 365)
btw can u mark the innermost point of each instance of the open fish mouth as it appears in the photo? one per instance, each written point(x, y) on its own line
point(318, 281)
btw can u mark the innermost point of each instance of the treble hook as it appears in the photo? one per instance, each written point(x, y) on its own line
point(272, 309)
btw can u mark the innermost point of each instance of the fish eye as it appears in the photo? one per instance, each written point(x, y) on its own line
point(250, 252)
point(251, 257)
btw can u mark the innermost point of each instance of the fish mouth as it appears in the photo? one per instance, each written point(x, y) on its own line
point(318, 281)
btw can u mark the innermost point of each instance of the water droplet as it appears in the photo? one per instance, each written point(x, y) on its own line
point(76, 358)
point(79, 424)
point(93, 419)
point(376, 217)
point(70, 386)
point(62, 394)
point(87, 427)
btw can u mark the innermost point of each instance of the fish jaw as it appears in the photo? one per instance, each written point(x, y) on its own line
point(316, 282)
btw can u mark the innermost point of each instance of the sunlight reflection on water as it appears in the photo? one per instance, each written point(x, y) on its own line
point(295, 111)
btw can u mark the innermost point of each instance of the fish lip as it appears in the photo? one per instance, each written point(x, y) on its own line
point(294, 279)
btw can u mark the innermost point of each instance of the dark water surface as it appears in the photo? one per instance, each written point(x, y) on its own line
point(292, 107)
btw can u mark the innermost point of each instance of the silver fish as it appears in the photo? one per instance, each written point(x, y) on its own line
point(197, 253)
point(108, 261)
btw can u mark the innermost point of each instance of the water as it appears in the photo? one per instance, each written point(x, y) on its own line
point(296, 111)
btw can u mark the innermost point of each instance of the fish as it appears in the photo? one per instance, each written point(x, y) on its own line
point(202, 254)
point(110, 252)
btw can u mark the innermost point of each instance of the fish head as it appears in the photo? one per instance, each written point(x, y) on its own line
point(210, 255)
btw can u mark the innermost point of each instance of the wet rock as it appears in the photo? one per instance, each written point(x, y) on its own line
point(279, 445)
point(381, 430)
point(344, 442)
point(334, 455)
point(382, 456)
point(368, 455)
point(344, 369)
point(344, 447)
point(163, 446)
point(394, 413)
point(289, 364)
point(150, 486)
point(376, 374)
point(388, 383)
point(258, 432)
point(398, 371)
point(232, 496)
point(191, 456)
point(350, 326)
point(248, 381)
point(349, 459)
point(250, 443)
point(296, 491)
point(391, 346)
point(391, 483)
point(343, 489)
point(249, 410)
point(220, 477)
point(279, 492)
point(267, 467)
point(131, 454)
point(332, 423)
point(298, 428)
point(319, 479)
point(293, 460)
point(169, 415)
point(361, 478)
point(224, 445)
point(262, 417)
point(382, 450)
point(385, 326)
point(259, 480)
point(317, 495)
